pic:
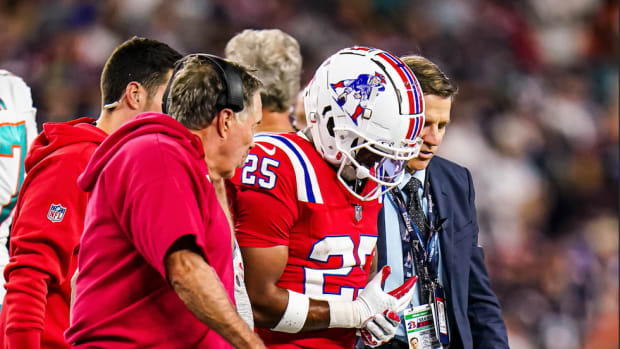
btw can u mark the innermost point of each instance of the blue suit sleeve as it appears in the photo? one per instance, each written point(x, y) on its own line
point(487, 326)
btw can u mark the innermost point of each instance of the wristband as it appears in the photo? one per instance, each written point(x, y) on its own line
point(295, 315)
point(343, 315)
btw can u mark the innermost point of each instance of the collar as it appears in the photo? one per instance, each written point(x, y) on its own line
point(420, 175)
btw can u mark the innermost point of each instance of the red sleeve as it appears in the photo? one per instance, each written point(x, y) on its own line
point(265, 206)
point(41, 247)
point(24, 339)
point(262, 220)
point(164, 207)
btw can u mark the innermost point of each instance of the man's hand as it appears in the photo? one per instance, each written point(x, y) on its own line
point(380, 329)
point(370, 302)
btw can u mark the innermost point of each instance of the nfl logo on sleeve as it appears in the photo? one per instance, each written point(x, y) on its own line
point(56, 213)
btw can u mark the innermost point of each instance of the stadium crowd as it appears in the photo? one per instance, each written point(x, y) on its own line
point(536, 118)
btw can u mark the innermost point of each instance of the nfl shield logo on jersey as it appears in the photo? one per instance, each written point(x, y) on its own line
point(56, 213)
point(358, 212)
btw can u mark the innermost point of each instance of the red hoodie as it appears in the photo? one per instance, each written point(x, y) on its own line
point(45, 235)
point(149, 188)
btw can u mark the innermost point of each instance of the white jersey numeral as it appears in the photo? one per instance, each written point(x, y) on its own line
point(267, 179)
point(247, 174)
point(352, 257)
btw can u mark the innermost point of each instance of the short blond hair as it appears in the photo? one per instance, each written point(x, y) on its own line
point(277, 59)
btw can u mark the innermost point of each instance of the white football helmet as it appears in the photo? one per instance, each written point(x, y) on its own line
point(365, 98)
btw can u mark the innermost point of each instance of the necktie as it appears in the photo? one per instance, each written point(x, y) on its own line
point(414, 207)
point(416, 214)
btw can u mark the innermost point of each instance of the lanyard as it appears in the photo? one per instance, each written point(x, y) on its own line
point(426, 263)
point(425, 252)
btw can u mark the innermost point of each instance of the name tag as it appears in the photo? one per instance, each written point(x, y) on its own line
point(420, 327)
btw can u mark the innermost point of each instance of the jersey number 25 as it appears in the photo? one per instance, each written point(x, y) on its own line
point(266, 177)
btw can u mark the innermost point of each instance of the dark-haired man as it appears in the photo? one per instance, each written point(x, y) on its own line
point(49, 216)
point(165, 278)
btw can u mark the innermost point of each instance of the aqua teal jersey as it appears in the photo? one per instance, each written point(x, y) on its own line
point(13, 148)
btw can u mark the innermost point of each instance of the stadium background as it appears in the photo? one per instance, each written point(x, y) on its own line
point(536, 119)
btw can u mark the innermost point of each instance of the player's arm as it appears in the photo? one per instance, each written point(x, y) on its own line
point(288, 311)
point(263, 269)
point(263, 223)
point(199, 287)
point(265, 257)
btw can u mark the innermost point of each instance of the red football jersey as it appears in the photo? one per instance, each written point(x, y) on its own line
point(288, 195)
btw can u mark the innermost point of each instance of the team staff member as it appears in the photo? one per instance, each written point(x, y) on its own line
point(156, 256)
point(277, 59)
point(49, 218)
point(306, 205)
point(443, 216)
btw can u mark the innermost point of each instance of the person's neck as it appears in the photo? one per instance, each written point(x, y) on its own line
point(110, 121)
point(274, 122)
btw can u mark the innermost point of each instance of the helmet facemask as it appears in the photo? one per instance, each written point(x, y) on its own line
point(376, 160)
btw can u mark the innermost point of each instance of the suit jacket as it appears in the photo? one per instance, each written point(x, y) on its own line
point(473, 309)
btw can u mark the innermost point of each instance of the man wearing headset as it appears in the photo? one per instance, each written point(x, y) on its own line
point(156, 257)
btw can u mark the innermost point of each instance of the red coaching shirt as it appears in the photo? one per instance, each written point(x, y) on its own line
point(149, 188)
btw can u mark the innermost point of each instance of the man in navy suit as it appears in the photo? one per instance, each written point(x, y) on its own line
point(445, 221)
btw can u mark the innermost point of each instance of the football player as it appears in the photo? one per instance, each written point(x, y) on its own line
point(17, 130)
point(306, 205)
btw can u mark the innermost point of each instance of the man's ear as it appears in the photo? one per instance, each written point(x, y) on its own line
point(224, 122)
point(135, 95)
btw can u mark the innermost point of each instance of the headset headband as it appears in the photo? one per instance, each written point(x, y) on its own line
point(233, 85)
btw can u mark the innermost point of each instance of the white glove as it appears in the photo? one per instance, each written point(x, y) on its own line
point(380, 329)
point(370, 302)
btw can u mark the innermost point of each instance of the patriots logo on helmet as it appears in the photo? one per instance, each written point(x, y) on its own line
point(363, 89)
point(56, 213)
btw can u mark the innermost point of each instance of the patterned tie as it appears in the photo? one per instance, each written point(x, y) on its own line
point(414, 207)
point(416, 214)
